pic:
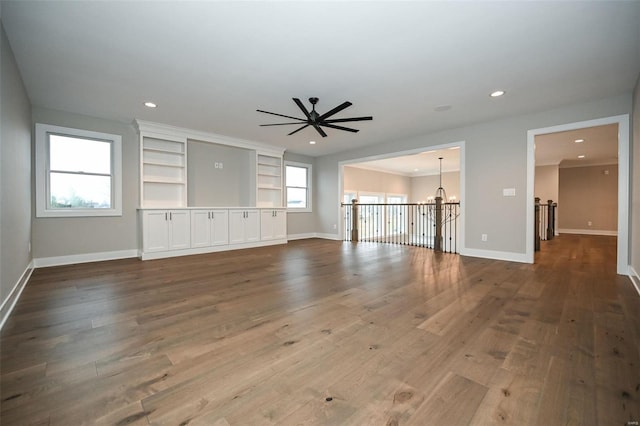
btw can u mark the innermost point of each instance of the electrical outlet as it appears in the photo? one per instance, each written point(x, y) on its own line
point(589, 223)
point(484, 237)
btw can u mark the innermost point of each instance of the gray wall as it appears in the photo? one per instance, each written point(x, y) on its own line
point(423, 187)
point(588, 194)
point(299, 223)
point(229, 186)
point(496, 158)
point(68, 236)
point(635, 182)
point(15, 172)
point(355, 179)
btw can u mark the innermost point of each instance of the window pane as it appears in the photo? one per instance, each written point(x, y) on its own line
point(80, 191)
point(296, 176)
point(297, 198)
point(371, 199)
point(79, 155)
point(396, 199)
point(348, 197)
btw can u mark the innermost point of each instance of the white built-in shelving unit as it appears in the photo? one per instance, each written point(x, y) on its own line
point(169, 226)
point(163, 172)
point(269, 181)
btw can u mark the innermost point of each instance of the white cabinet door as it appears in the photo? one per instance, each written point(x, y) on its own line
point(244, 226)
point(273, 224)
point(219, 227)
point(266, 224)
point(200, 228)
point(280, 224)
point(236, 226)
point(252, 226)
point(155, 226)
point(180, 229)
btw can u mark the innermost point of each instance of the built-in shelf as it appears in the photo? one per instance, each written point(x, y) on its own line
point(163, 172)
point(160, 163)
point(269, 181)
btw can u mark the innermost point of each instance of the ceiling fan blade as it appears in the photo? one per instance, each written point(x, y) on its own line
point(317, 127)
point(344, 120)
point(297, 130)
point(335, 110)
point(282, 115)
point(302, 107)
point(339, 127)
point(281, 124)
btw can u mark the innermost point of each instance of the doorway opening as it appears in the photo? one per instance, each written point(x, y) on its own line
point(585, 167)
point(411, 197)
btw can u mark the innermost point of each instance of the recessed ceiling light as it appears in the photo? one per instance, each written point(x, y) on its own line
point(579, 140)
point(150, 104)
point(312, 142)
point(580, 156)
point(497, 93)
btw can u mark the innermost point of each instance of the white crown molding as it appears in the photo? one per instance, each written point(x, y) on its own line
point(159, 129)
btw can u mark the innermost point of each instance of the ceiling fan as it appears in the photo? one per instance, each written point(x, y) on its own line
point(316, 120)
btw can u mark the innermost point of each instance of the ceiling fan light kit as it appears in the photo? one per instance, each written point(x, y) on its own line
point(316, 120)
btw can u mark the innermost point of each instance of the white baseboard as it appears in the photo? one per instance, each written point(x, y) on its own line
point(495, 255)
point(42, 262)
point(324, 236)
point(10, 302)
point(292, 237)
point(334, 237)
point(588, 232)
point(635, 278)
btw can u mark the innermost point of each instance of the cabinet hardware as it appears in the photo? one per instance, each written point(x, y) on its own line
point(208, 215)
point(165, 215)
point(170, 216)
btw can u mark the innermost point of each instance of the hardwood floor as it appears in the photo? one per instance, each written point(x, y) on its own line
point(326, 332)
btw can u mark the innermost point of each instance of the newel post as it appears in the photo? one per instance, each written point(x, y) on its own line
point(354, 220)
point(550, 217)
point(437, 244)
point(536, 225)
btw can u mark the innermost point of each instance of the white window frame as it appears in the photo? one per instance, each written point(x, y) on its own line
point(309, 188)
point(43, 208)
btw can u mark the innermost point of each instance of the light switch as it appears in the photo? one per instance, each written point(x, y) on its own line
point(509, 192)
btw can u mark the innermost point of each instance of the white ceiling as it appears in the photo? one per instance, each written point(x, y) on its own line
point(600, 146)
point(210, 65)
point(420, 164)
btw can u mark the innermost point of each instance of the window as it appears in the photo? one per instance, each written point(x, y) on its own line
point(298, 183)
point(78, 172)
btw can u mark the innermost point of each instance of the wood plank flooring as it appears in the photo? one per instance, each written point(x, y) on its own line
point(327, 333)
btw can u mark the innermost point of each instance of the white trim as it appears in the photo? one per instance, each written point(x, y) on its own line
point(588, 232)
point(623, 182)
point(210, 249)
point(292, 237)
point(635, 278)
point(72, 259)
point(496, 255)
point(12, 298)
point(41, 164)
point(324, 236)
point(166, 131)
